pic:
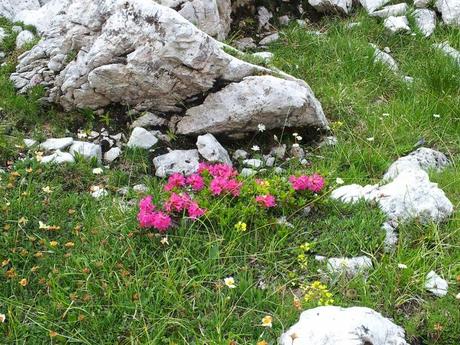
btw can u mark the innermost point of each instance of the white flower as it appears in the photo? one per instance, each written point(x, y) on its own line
point(385, 114)
point(230, 282)
point(402, 266)
point(47, 190)
point(267, 321)
point(458, 296)
point(436, 116)
point(338, 180)
point(261, 127)
point(275, 137)
point(370, 139)
point(299, 138)
point(295, 134)
point(97, 171)
point(164, 241)
point(2, 318)
point(295, 145)
point(81, 134)
point(255, 148)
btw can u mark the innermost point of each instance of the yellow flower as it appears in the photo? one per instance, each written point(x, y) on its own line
point(230, 282)
point(42, 226)
point(22, 221)
point(47, 190)
point(23, 282)
point(262, 342)
point(53, 244)
point(267, 321)
point(69, 245)
point(2, 318)
point(29, 170)
point(164, 241)
point(241, 226)
point(53, 334)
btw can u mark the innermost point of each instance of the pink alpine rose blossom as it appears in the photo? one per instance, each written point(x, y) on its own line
point(145, 204)
point(194, 211)
point(316, 183)
point(176, 180)
point(177, 202)
point(196, 182)
point(161, 221)
point(266, 201)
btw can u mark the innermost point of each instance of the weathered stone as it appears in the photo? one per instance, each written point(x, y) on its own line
point(148, 120)
point(297, 152)
point(278, 151)
point(372, 5)
point(212, 150)
point(449, 51)
point(269, 39)
point(245, 43)
point(385, 58)
point(284, 20)
point(240, 154)
point(243, 106)
point(141, 138)
point(30, 142)
point(56, 143)
point(267, 56)
point(140, 188)
point(23, 38)
point(332, 6)
point(112, 154)
point(2, 35)
point(392, 10)
point(335, 325)
point(253, 163)
point(58, 157)
point(41, 18)
point(421, 3)
point(425, 20)
point(86, 150)
point(450, 10)
point(349, 267)
point(9, 8)
point(247, 172)
point(396, 24)
point(264, 17)
point(178, 161)
point(436, 285)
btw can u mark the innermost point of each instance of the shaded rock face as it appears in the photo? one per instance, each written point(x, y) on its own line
point(143, 55)
point(335, 325)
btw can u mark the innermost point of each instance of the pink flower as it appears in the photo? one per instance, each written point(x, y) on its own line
point(316, 183)
point(145, 204)
point(222, 184)
point(177, 202)
point(202, 167)
point(194, 211)
point(176, 180)
point(161, 221)
point(266, 201)
point(145, 219)
point(196, 182)
point(233, 187)
point(222, 170)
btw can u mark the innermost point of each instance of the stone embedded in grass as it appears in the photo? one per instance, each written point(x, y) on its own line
point(269, 39)
point(98, 192)
point(178, 161)
point(372, 5)
point(267, 56)
point(240, 154)
point(86, 150)
point(253, 163)
point(335, 325)
point(396, 24)
point(264, 16)
point(450, 10)
point(141, 138)
point(421, 3)
point(385, 58)
point(435, 284)
point(148, 120)
point(58, 157)
point(140, 188)
point(449, 51)
point(332, 6)
point(112, 154)
point(350, 267)
point(2, 35)
point(212, 150)
point(392, 10)
point(56, 144)
point(425, 20)
point(247, 172)
point(30, 142)
point(23, 38)
point(423, 158)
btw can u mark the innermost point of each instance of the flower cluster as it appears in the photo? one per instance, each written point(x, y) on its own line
point(313, 183)
point(223, 179)
point(317, 292)
point(148, 217)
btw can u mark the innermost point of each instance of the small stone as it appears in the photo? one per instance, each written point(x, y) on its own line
point(407, 79)
point(240, 154)
point(148, 120)
point(56, 144)
point(58, 157)
point(253, 163)
point(301, 23)
point(425, 20)
point(212, 150)
point(16, 29)
point(278, 170)
point(179, 161)
point(267, 56)
point(284, 20)
point(247, 172)
point(421, 3)
point(112, 154)
point(86, 150)
point(449, 51)
point(349, 267)
point(270, 161)
point(123, 190)
point(384, 58)
point(396, 24)
point(245, 43)
point(297, 152)
point(264, 17)
point(435, 284)
point(392, 10)
point(141, 138)
point(23, 38)
point(98, 192)
point(29, 142)
point(278, 151)
point(269, 39)
point(140, 188)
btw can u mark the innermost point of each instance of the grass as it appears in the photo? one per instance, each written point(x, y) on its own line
point(106, 281)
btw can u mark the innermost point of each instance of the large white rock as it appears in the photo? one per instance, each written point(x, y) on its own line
point(179, 161)
point(41, 18)
point(23, 38)
point(2, 35)
point(425, 20)
point(449, 51)
point(343, 326)
point(86, 150)
point(142, 138)
point(58, 157)
point(112, 154)
point(423, 158)
point(372, 5)
point(396, 24)
point(421, 3)
point(9, 8)
point(349, 267)
point(450, 10)
point(332, 6)
point(212, 150)
point(56, 143)
point(139, 54)
point(392, 10)
point(385, 58)
point(243, 106)
point(435, 284)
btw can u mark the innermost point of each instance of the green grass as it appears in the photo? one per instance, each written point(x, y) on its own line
point(118, 284)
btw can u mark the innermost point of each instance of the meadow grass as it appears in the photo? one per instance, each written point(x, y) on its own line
point(105, 281)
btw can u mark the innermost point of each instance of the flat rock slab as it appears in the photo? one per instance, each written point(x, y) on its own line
point(141, 138)
point(396, 24)
point(212, 150)
point(58, 157)
point(392, 10)
point(86, 150)
point(450, 10)
point(435, 284)
point(351, 326)
point(178, 161)
point(56, 144)
point(372, 5)
point(425, 20)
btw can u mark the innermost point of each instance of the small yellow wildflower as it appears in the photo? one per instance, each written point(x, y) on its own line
point(241, 226)
point(267, 321)
point(23, 282)
point(262, 342)
point(22, 221)
point(69, 245)
point(230, 282)
point(47, 190)
point(29, 170)
point(54, 244)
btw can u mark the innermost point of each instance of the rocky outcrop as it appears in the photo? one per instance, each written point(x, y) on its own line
point(425, 20)
point(9, 8)
point(332, 6)
point(450, 10)
point(147, 56)
point(335, 325)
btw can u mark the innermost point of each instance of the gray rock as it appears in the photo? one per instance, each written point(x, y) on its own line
point(264, 17)
point(245, 43)
point(41, 17)
point(284, 20)
point(247, 172)
point(349, 267)
point(9, 8)
point(372, 5)
point(242, 106)
point(16, 29)
point(267, 56)
point(29, 142)
point(385, 58)
point(269, 39)
point(56, 144)
point(253, 163)
point(436, 285)
point(396, 24)
point(332, 6)
point(336, 325)
point(212, 150)
point(148, 120)
point(392, 10)
point(23, 38)
point(58, 157)
point(86, 150)
point(425, 20)
point(240, 154)
point(449, 51)
point(450, 10)
point(278, 170)
point(2, 35)
point(421, 3)
point(278, 151)
point(141, 138)
point(179, 161)
point(112, 154)
point(297, 152)
point(140, 188)
point(270, 162)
